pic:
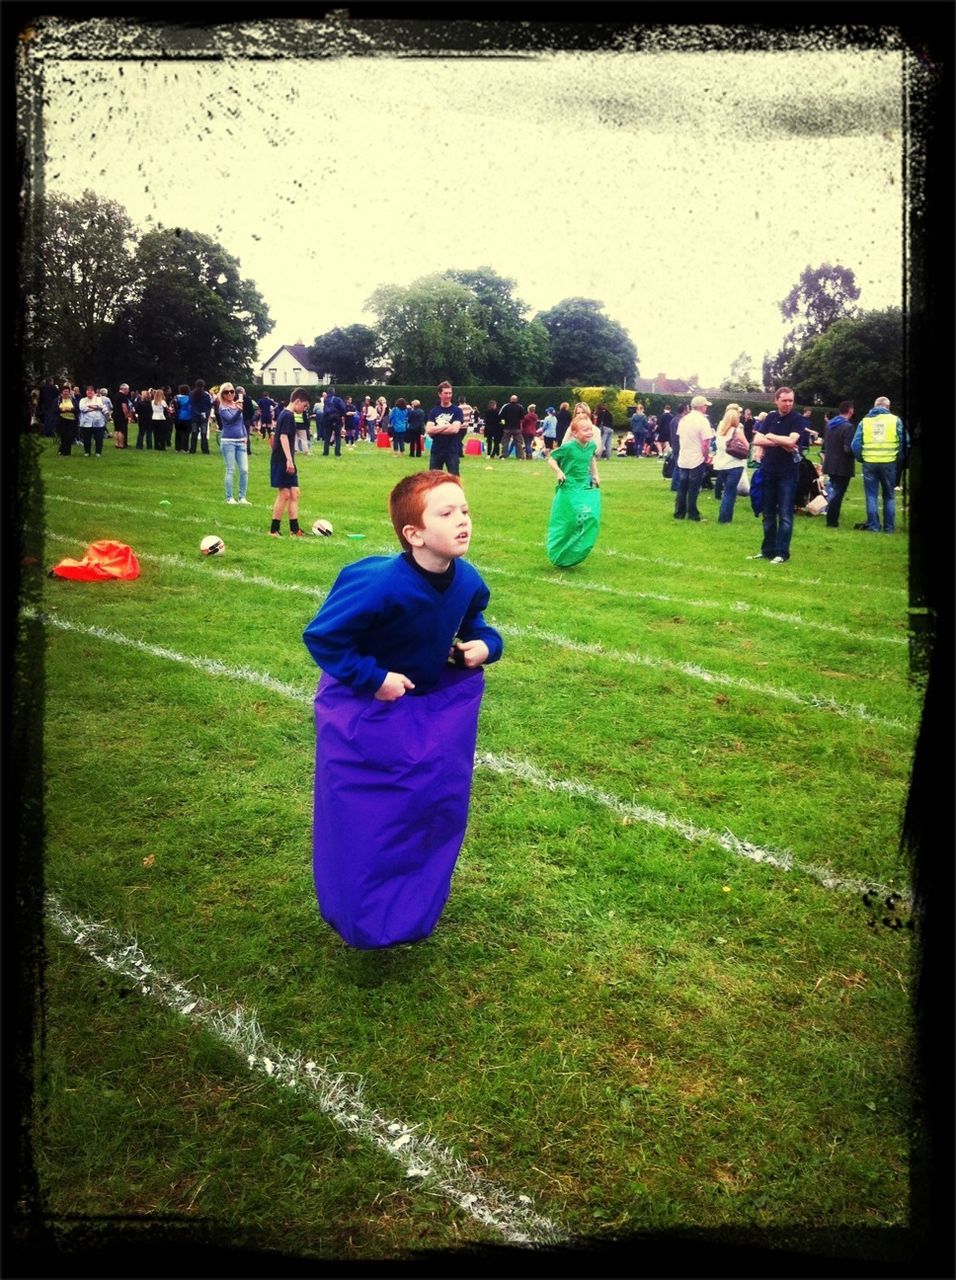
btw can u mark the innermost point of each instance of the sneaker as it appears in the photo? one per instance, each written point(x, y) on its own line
point(778, 560)
point(244, 502)
point(231, 502)
point(274, 533)
point(758, 556)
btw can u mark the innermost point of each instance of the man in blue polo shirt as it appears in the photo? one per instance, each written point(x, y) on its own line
point(443, 425)
point(782, 435)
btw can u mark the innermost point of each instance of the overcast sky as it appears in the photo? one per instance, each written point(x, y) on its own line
point(686, 191)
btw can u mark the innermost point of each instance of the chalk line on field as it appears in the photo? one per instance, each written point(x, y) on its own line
point(338, 1095)
point(696, 672)
point(782, 858)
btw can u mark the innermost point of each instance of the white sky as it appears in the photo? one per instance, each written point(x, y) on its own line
point(685, 191)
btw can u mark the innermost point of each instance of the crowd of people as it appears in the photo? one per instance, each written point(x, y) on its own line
point(696, 454)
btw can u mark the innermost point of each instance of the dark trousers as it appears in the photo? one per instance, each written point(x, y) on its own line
point(89, 434)
point(688, 487)
point(144, 434)
point(199, 431)
point(415, 444)
point(446, 455)
point(66, 430)
point(331, 431)
point(839, 486)
point(183, 430)
point(494, 442)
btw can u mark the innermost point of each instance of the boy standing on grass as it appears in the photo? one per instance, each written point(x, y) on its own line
point(284, 476)
point(401, 641)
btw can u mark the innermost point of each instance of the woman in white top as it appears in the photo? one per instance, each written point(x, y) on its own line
point(159, 415)
point(726, 466)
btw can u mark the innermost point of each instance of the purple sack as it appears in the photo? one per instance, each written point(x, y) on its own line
point(392, 786)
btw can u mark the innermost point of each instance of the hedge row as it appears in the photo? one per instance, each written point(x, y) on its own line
point(620, 402)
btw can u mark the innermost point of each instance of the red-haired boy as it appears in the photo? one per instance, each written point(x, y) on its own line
point(401, 641)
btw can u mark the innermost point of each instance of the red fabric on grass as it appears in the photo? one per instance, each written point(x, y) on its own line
point(103, 561)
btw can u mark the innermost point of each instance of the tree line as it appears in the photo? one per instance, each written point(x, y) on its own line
point(107, 303)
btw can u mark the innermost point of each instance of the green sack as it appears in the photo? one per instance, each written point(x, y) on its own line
point(574, 525)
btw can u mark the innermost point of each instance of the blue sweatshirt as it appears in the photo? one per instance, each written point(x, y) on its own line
point(383, 615)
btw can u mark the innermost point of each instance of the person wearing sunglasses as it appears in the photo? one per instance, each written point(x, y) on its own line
point(233, 442)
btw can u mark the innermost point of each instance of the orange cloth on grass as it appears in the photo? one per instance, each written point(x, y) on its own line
point(103, 560)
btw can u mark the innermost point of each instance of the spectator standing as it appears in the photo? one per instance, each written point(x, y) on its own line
point(159, 414)
point(549, 429)
point(123, 415)
point(67, 420)
point(529, 429)
point(144, 419)
point(782, 435)
point(839, 463)
point(880, 443)
point(282, 472)
point(748, 424)
point(443, 426)
point(351, 420)
point(233, 442)
point(267, 408)
point(47, 402)
point(693, 442)
point(416, 428)
point(201, 404)
point(335, 412)
point(605, 424)
point(104, 395)
point(92, 421)
point(381, 415)
point(493, 429)
point(564, 421)
point(183, 410)
point(639, 429)
point(318, 417)
point(398, 425)
point(726, 466)
point(511, 416)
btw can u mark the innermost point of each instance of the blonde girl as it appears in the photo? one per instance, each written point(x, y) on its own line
point(728, 467)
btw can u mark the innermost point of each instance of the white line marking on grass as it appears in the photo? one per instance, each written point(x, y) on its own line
point(207, 565)
point(780, 858)
point(502, 764)
point(338, 1097)
point(751, 574)
point(812, 701)
point(211, 665)
point(735, 606)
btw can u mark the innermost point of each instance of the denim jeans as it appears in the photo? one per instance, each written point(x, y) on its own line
point(199, 431)
point(233, 452)
point(837, 488)
point(877, 476)
point(729, 480)
point(689, 480)
point(778, 495)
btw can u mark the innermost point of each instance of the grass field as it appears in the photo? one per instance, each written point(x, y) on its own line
point(667, 990)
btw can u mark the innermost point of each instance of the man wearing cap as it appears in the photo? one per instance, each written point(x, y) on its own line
point(879, 443)
point(781, 436)
point(693, 439)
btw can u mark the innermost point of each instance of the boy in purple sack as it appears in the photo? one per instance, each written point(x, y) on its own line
point(401, 641)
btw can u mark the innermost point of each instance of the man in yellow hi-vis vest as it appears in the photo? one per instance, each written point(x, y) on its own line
point(880, 443)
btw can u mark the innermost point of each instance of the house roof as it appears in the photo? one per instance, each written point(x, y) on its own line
point(299, 352)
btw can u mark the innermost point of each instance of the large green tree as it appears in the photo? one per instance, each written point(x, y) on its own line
point(518, 350)
point(193, 316)
point(349, 354)
point(588, 348)
point(430, 329)
point(855, 359)
point(77, 271)
point(820, 297)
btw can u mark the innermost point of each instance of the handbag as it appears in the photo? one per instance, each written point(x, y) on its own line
point(736, 447)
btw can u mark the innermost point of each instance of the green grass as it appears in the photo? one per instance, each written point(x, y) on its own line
point(636, 1029)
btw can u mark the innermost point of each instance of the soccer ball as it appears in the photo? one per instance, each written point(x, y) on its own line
point(322, 528)
point(212, 546)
